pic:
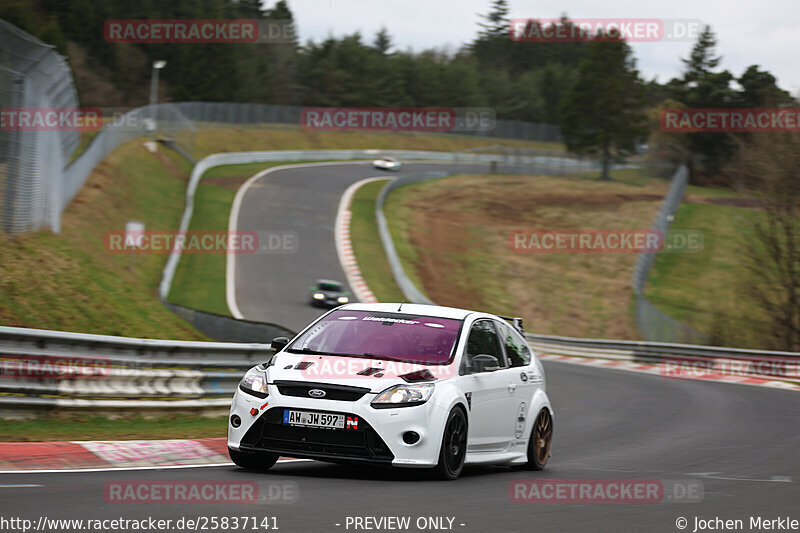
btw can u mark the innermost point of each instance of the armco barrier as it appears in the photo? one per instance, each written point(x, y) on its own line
point(764, 364)
point(42, 370)
point(46, 370)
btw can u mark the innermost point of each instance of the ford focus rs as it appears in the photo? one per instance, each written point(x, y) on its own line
point(400, 385)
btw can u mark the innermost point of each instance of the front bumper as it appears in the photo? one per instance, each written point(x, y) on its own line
point(378, 437)
point(327, 302)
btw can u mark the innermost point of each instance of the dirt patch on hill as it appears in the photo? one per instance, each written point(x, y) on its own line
point(460, 230)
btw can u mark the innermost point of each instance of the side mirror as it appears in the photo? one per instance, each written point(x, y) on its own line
point(278, 343)
point(485, 363)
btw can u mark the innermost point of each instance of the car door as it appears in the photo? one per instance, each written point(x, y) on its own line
point(487, 392)
point(522, 380)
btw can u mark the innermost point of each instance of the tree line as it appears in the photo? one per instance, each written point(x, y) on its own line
point(591, 87)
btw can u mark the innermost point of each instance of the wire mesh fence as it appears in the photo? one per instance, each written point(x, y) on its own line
point(506, 159)
point(40, 172)
point(223, 114)
point(32, 75)
point(652, 323)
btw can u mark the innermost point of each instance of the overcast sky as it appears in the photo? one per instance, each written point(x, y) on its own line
point(761, 32)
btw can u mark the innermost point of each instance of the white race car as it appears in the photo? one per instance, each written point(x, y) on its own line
point(396, 384)
point(387, 163)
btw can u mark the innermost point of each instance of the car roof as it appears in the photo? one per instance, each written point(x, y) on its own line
point(412, 309)
point(320, 281)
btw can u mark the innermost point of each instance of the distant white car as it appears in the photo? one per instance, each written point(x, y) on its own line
point(396, 384)
point(387, 163)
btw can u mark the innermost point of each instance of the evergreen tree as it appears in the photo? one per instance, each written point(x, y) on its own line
point(603, 111)
point(701, 87)
point(383, 41)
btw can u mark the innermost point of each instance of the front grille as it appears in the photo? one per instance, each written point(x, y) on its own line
point(332, 392)
point(269, 433)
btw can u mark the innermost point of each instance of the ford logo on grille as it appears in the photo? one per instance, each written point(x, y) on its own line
point(317, 393)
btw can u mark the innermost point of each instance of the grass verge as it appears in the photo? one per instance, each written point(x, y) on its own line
point(73, 281)
point(367, 245)
point(708, 289)
point(99, 428)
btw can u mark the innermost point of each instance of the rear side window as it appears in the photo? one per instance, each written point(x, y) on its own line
point(517, 351)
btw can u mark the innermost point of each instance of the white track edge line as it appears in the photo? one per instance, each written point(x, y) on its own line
point(133, 468)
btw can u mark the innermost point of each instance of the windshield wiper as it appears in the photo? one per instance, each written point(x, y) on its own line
point(309, 351)
point(364, 355)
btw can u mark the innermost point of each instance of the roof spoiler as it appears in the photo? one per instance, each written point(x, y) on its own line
point(514, 321)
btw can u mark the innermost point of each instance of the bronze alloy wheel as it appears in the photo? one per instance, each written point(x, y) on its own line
point(541, 437)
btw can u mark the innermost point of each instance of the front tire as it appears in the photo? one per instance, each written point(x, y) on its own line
point(253, 461)
point(539, 443)
point(454, 446)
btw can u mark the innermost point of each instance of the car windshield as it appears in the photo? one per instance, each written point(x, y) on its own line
point(330, 287)
point(396, 336)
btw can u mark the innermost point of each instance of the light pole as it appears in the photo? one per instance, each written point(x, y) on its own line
point(158, 65)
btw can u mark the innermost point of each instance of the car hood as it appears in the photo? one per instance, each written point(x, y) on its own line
point(374, 374)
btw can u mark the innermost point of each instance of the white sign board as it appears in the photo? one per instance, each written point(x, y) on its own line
point(133, 234)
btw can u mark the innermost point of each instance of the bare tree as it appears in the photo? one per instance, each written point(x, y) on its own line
point(769, 167)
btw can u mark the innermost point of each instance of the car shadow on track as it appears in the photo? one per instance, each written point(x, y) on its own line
point(316, 469)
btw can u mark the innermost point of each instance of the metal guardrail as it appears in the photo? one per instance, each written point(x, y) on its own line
point(42, 370)
point(49, 370)
point(410, 291)
point(763, 364)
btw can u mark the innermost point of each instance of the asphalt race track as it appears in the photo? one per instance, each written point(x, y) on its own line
point(609, 424)
point(741, 442)
point(275, 287)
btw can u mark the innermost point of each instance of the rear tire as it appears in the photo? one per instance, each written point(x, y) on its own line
point(539, 443)
point(453, 452)
point(253, 461)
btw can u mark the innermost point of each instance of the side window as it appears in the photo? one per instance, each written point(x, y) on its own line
point(482, 340)
point(517, 351)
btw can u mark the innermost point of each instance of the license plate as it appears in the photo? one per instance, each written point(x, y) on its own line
point(312, 419)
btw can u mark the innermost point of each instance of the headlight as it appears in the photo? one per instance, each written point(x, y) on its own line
point(403, 396)
point(342, 299)
point(255, 383)
point(319, 296)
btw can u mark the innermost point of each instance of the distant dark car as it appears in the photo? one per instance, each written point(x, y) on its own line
point(328, 293)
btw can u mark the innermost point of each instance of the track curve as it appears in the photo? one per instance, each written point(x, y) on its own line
point(742, 443)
